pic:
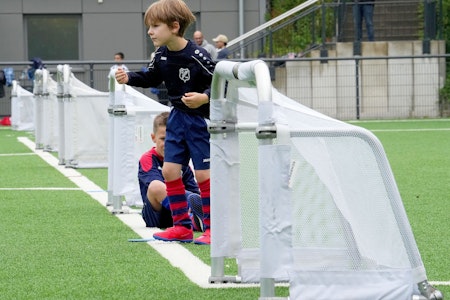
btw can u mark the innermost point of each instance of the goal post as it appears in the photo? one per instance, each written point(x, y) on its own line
point(131, 116)
point(22, 108)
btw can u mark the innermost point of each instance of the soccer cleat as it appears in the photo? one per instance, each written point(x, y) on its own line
point(195, 203)
point(204, 239)
point(175, 234)
point(197, 223)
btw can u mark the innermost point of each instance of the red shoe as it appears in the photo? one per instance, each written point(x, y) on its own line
point(204, 239)
point(175, 234)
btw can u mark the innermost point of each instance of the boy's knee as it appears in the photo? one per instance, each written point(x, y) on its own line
point(202, 175)
point(156, 187)
point(171, 171)
point(156, 193)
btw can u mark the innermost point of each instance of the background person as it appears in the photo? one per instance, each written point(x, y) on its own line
point(221, 42)
point(118, 58)
point(363, 9)
point(36, 64)
point(2, 83)
point(200, 41)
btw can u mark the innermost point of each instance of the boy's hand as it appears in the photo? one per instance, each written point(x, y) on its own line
point(121, 76)
point(194, 100)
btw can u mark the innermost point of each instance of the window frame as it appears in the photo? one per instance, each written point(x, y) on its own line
point(32, 17)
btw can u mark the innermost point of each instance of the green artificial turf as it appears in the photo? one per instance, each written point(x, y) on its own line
point(62, 244)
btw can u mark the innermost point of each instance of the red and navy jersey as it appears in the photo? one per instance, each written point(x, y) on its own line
point(187, 70)
point(150, 168)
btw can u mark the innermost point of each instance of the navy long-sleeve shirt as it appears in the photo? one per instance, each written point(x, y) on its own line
point(187, 70)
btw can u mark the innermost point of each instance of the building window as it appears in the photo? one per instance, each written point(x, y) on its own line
point(53, 37)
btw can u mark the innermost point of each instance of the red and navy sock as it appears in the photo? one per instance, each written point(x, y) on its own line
point(178, 203)
point(206, 205)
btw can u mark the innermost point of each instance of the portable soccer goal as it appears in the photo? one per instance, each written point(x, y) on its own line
point(82, 122)
point(301, 198)
point(46, 111)
point(131, 115)
point(22, 108)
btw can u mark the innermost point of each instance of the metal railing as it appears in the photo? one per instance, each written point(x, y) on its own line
point(321, 24)
point(346, 88)
point(92, 73)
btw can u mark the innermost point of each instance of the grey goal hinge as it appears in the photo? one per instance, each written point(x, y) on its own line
point(117, 110)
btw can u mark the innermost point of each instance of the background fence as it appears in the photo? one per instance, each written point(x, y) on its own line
point(346, 88)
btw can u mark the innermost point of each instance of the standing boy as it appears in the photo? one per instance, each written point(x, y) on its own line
point(187, 71)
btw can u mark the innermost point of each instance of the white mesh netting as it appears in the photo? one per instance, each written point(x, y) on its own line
point(317, 205)
point(46, 115)
point(22, 108)
point(84, 122)
point(131, 117)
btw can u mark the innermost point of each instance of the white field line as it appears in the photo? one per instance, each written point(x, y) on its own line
point(194, 269)
point(17, 154)
point(399, 121)
point(436, 283)
point(41, 189)
point(410, 130)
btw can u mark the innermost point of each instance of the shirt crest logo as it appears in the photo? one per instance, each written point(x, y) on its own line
point(184, 74)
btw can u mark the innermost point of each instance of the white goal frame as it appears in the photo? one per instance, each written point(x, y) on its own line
point(396, 273)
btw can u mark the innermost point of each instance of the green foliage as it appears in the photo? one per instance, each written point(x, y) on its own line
point(444, 96)
point(443, 30)
point(301, 34)
point(444, 93)
point(298, 34)
point(446, 22)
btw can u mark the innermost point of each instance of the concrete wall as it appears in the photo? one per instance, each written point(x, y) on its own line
point(117, 25)
point(384, 88)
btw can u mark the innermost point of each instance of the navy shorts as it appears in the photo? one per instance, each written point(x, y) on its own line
point(160, 219)
point(187, 137)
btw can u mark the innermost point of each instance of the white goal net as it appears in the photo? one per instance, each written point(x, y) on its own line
point(22, 108)
point(83, 122)
point(302, 198)
point(131, 115)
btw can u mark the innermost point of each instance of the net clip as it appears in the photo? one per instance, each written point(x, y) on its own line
point(221, 127)
point(117, 110)
point(266, 131)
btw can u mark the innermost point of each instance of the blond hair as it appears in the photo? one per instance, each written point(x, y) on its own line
point(160, 120)
point(168, 12)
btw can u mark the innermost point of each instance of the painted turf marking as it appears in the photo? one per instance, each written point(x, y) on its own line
point(435, 283)
point(398, 121)
point(410, 130)
point(41, 189)
point(17, 154)
point(178, 256)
